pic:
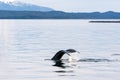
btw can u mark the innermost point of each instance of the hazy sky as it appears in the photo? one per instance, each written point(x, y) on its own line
point(78, 5)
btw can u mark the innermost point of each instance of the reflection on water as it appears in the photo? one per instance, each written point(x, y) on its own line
point(26, 44)
point(59, 63)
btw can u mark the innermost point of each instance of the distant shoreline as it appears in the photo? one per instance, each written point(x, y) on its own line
point(104, 21)
point(57, 15)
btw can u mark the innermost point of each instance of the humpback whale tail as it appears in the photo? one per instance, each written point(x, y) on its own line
point(58, 55)
point(72, 54)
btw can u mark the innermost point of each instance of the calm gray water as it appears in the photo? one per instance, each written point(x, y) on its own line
point(27, 45)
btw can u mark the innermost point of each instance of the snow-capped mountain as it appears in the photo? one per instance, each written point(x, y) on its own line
point(19, 6)
point(7, 0)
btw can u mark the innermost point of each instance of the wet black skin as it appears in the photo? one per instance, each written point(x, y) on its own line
point(58, 55)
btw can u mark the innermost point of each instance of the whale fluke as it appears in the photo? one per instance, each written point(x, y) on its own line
point(60, 54)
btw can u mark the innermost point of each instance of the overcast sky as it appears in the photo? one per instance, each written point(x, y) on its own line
point(78, 5)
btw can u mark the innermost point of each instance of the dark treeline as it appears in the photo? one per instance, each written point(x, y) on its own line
point(57, 15)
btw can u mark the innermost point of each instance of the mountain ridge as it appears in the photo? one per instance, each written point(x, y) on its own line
point(19, 6)
point(19, 10)
point(57, 15)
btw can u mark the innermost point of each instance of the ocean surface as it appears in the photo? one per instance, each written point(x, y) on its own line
point(26, 47)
